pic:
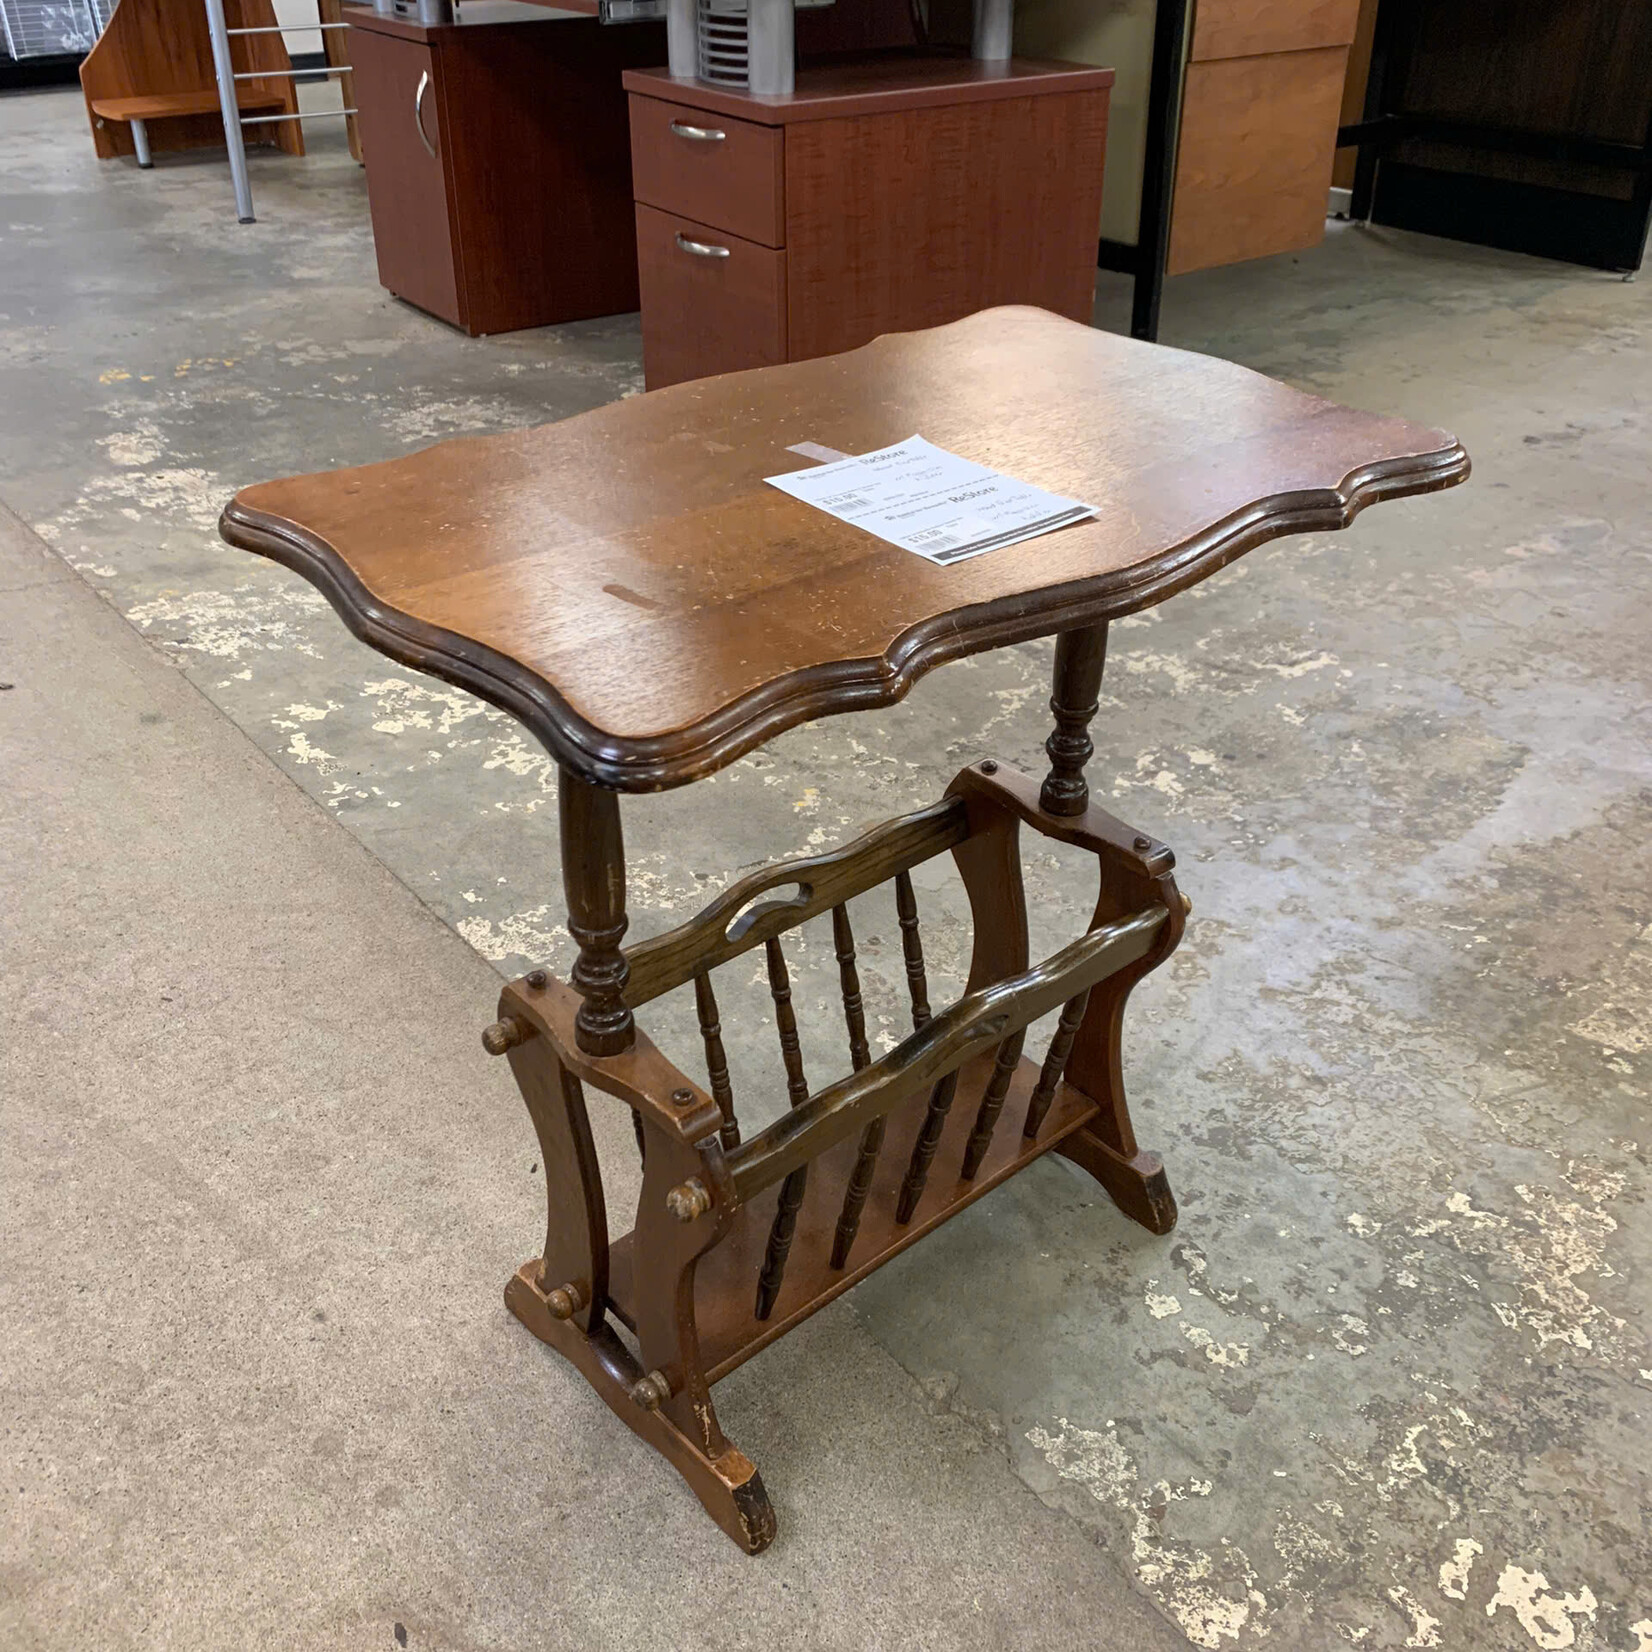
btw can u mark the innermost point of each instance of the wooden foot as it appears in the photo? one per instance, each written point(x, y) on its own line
point(729, 1486)
point(1137, 1185)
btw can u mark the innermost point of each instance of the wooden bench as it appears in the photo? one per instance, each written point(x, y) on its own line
point(150, 85)
point(137, 112)
point(627, 585)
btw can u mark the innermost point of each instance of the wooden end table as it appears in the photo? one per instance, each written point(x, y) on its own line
point(537, 569)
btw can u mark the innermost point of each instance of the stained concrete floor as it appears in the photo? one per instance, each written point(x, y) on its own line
point(1389, 1383)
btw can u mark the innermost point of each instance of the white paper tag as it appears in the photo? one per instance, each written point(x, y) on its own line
point(924, 499)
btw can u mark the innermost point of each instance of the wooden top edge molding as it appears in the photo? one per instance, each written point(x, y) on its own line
point(627, 585)
point(868, 85)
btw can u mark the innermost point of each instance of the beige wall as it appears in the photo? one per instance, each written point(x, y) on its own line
point(1119, 34)
point(290, 13)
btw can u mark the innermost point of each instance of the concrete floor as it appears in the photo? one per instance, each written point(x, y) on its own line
point(1389, 1382)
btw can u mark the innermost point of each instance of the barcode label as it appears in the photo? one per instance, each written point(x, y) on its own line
point(935, 539)
point(844, 502)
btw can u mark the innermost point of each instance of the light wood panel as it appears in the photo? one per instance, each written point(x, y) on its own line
point(337, 52)
point(161, 49)
point(1253, 170)
point(1250, 28)
point(1353, 89)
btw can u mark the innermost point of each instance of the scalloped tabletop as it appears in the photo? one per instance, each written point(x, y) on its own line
point(627, 584)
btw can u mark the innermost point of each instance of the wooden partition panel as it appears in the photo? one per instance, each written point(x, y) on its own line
point(1260, 110)
point(1252, 28)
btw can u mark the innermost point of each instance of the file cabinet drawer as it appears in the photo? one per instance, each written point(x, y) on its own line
point(711, 302)
point(727, 173)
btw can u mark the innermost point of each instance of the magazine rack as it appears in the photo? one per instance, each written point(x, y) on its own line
point(537, 569)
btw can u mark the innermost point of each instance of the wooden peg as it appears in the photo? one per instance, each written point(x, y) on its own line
point(503, 1035)
point(652, 1391)
point(565, 1301)
point(688, 1201)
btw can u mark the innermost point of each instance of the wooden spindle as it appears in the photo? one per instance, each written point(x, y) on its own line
point(940, 1098)
point(642, 1140)
point(797, 1090)
point(711, 1034)
point(854, 1014)
point(1061, 1046)
point(860, 1055)
point(992, 1103)
point(780, 989)
point(923, 1150)
point(780, 1241)
point(854, 1196)
point(912, 949)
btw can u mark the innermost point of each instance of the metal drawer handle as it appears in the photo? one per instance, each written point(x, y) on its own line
point(418, 114)
point(700, 134)
point(700, 249)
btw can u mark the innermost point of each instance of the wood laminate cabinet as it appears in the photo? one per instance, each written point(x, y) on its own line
point(883, 195)
point(498, 162)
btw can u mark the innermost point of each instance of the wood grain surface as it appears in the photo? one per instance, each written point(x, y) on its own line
point(1253, 169)
point(919, 216)
point(729, 309)
point(157, 50)
point(627, 585)
point(869, 86)
point(1245, 28)
point(729, 1335)
point(736, 182)
point(407, 187)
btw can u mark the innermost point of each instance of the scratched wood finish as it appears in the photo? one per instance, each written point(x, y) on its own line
point(537, 568)
point(733, 924)
point(937, 1051)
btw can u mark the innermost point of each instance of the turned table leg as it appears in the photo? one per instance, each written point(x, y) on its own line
point(593, 877)
point(1079, 658)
